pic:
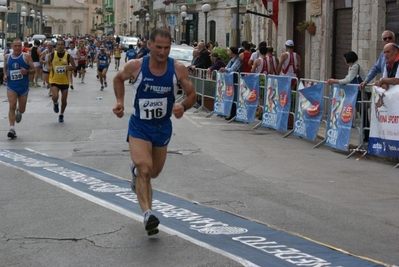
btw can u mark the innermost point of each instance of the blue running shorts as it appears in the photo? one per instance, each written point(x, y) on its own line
point(158, 133)
point(21, 91)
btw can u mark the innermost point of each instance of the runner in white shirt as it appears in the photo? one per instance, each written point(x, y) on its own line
point(74, 53)
point(256, 54)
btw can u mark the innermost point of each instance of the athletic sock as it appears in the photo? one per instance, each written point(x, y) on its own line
point(147, 214)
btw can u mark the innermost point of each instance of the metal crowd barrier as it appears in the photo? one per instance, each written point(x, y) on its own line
point(205, 86)
point(201, 84)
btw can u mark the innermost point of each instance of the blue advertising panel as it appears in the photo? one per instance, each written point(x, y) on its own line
point(224, 93)
point(277, 102)
point(339, 121)
point(309, 112)
point(248, 98)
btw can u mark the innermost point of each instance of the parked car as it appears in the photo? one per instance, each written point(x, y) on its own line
point(40, 37)
point(130, 41)
point(182, 53)
point(122, 42)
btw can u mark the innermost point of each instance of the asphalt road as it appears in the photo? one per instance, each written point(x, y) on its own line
point(282, 182)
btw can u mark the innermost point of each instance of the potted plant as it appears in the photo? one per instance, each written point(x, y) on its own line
point(308, 25)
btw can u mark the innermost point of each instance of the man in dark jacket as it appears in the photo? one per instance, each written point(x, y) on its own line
point(204, 60)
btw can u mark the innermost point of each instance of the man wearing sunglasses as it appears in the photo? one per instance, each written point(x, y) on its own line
point(379, 66)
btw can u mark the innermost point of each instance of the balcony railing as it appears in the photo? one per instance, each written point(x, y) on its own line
point(144, 3)
point(109, 8)
point(172, 8)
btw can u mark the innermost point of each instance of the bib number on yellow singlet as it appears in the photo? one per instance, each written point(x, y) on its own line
point(60, 69)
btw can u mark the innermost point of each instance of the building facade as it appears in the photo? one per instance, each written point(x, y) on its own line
point(341, 25)
point(75, 17)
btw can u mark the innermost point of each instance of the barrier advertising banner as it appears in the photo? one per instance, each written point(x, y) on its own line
point(277, 102)
point(310, 111)
point(224, 93)
point(248, 98)
point(384, 123)
point(341, 115)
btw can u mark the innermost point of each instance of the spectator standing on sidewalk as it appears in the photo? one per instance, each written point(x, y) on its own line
point(390, 76)
point(156, 79)
point(353, 71)
point(17, 67)
point(203, 61)
point(355, 76)
point(387, 37)
point(233, 65)
point(217, 64)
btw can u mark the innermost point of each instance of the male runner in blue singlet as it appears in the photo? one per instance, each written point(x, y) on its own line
point(155, 78)
point(17, 67)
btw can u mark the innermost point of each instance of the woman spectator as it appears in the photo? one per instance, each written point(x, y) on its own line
point(355, 76)
point(354, 71)
point(217, 64)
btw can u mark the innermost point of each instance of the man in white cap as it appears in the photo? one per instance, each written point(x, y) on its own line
point(290, 62)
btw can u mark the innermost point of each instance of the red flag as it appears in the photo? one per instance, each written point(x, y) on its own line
point(274, 16)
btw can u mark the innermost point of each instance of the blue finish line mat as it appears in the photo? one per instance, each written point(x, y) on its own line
point(245, 241)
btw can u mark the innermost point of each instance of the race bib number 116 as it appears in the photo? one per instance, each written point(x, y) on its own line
point(152, 108)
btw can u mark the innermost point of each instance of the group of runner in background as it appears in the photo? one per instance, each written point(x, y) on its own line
point(86, 53)
point(56, 64)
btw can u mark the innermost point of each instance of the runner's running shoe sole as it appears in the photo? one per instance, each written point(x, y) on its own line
point(152, 225)
point(11, 134)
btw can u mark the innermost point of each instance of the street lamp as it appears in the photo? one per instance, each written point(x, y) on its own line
point(45, 19)
point(147, 19)
point(206, 8)
point(124, 26)
point(183, 14)
point(120, 27)
point(3, 11)
point(130, 21)
point(23, 16)
point(137, 25)
point(32, 15)
point(38, 22)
